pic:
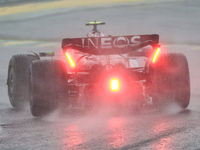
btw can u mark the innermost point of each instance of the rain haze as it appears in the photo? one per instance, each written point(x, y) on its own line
point(35, 26)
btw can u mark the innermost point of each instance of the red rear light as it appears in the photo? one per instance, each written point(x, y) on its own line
point(70, 60)
point(155, 56)
point(114, 85)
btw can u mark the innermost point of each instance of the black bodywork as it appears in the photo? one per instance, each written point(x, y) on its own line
point(143, 76)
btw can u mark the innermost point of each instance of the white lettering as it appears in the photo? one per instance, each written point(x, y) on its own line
point(123, 40)
point(83, 42)
point(134, 39)
point(90, 42)
point(106, 43)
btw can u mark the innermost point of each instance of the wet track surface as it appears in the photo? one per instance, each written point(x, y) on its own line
point(104, 128)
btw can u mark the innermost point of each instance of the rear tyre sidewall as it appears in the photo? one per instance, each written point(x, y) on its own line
point(48, 86)
point(169, 80)
point(18, 79)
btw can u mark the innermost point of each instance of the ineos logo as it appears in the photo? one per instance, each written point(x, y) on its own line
point(121, 42)
point(135, 39)
point(109, 42)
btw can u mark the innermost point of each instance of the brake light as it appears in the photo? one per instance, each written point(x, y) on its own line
point(114, 84)
point(156, 55)
point(70, 60)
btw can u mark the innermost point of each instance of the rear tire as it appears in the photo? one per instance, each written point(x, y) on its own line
point(18, 79)
point(169, 80)
point(48, 85)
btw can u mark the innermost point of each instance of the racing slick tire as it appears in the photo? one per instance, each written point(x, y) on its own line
point(48, 86)
point(169, 80)
point(18, 79)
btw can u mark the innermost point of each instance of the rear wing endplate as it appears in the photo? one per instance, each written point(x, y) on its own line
point(110, 45)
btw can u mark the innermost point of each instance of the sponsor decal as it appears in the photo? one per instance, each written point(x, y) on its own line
point(121, 42)
point(111, 42)
point(106, 42)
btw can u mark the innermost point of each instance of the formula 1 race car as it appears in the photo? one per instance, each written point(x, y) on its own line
point(100, 68)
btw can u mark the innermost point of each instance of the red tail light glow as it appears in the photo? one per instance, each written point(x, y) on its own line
point(156, 55)
point(114, 85)
point(70, 60)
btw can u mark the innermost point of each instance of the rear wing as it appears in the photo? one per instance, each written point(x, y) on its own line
point(110, 45)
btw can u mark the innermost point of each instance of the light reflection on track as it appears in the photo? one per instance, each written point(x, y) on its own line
point(117, 132)
point(73, 137)
point(164, 143)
